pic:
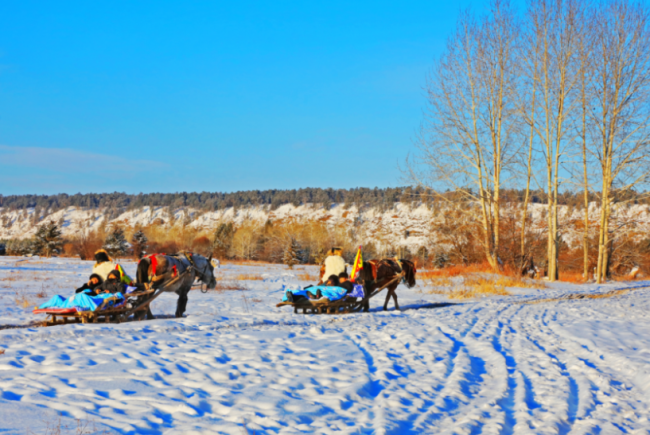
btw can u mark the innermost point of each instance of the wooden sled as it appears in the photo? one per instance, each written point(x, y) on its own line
point(342, 306)
point(58, 316)
point(116, 314)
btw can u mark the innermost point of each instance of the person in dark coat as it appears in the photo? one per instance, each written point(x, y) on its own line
point(93, 282)
point(345, 282)
point(113, 283)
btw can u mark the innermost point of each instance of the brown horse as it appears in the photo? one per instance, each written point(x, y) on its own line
point(377, 273)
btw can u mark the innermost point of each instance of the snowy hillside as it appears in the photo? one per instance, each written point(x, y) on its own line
point(400, 226)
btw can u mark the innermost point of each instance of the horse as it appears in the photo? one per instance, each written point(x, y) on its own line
point(377, 273)
point(176, 273)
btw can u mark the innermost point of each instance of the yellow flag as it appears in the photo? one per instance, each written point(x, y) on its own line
point(358, 265)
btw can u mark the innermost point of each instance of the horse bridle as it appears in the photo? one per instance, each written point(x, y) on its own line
point(201, 273)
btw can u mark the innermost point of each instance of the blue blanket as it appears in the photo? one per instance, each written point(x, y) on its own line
point(330, 292)
point(80, 301)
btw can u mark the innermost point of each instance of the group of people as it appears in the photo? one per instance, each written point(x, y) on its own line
point(334, 268)
point(108, 279)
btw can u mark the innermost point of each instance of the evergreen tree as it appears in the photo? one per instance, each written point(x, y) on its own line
point(116, 244)
point(139, 243)
point(47, 240)
point(223, 239)
point(440, 260)
point(292, 253)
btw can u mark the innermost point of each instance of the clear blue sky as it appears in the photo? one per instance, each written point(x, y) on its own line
point(220, 96)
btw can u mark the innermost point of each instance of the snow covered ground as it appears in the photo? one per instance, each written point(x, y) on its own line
point(237, 364)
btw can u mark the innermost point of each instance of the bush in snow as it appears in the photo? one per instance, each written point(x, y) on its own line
point(139, 243)
point(47, 240)
point(116, 244)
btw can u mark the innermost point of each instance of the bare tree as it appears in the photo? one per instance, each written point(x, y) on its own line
point(621, 107)
point(468, 137)
point(555, 26)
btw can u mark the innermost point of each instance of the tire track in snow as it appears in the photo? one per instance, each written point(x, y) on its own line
point(454, 411)
point(507, 402)
point(602, 397)
point(573, 400)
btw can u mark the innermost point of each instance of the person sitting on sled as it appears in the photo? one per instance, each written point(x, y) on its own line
point(114, 284)
point(105, 264)
point(334, 264)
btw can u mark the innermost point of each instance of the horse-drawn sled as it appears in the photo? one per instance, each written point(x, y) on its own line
point(372, 278)
point(156, 275)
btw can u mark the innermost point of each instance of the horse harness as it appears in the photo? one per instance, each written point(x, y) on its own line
point(174, 272)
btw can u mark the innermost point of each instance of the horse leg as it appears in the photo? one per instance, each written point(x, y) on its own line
point(181, 305)
point(387, 299)
point(395, 299)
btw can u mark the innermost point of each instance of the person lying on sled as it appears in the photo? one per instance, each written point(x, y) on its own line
point(94, 282)
point(330, 290)
point(91, 298)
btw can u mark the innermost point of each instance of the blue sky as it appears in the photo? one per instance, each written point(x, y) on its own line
point(217, 96)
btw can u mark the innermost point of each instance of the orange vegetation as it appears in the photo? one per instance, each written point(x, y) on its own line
point(249, 277)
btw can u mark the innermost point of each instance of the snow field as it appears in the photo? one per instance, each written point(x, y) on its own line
point(488, 366)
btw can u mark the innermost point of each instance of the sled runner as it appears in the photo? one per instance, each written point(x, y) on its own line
point(342, 306)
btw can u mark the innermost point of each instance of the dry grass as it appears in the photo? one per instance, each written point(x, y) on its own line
point(307, 277)
point(23, 301)
point(573, 277)
point(474, 285)
point(453, 271)
point(230, 285)
point(2, 351)
point(573, 296)
point(81, 427)
point(42, 294)
point(249, 277)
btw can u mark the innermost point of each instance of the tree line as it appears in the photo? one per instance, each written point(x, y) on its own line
point(553, 97)
point(360, 197)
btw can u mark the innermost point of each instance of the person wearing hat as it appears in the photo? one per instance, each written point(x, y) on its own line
point(112, 284)
point(93, 282)
point(105, 264)
point(334, 264)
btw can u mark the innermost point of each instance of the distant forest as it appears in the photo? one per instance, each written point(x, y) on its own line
point(361, 197)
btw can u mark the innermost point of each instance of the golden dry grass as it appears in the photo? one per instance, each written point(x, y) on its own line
point(23, 301)
point(307, 277)
point(249, 277)
point(474, 285)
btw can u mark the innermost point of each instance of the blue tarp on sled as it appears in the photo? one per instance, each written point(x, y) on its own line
point(80, 301)
point(330, 292)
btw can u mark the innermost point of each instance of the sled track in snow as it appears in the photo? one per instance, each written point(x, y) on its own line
point(574, 296)
point(491, 366)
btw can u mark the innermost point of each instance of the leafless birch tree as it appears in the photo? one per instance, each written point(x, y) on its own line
point(621, 108)
point(467, 140)
point(554, 26)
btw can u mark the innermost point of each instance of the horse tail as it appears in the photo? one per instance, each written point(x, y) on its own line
point(142, 275)
point(409, 272)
